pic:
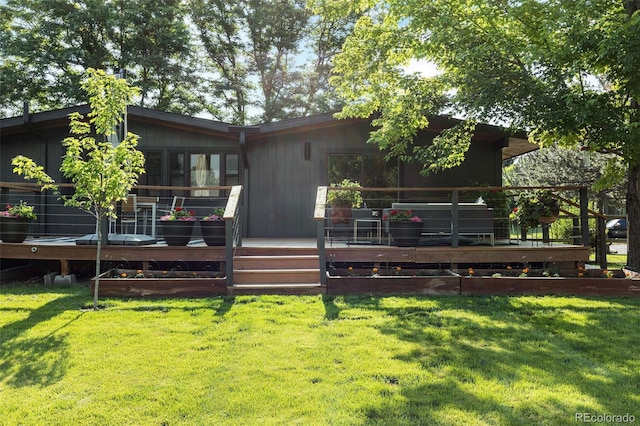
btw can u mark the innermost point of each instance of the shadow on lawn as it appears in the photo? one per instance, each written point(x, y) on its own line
point(29, 356)
point(530, 349)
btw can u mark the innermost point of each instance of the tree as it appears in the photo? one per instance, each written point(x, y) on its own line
point(103, 174)
point(555, 166)
point(47, 45)
point(564, 70)
point(267, 61)
point(243, 62)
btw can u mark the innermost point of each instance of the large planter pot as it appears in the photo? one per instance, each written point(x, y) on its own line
point(340, 214)
point(177, 232)
point(213, 232)
point(405, 234)
point(14, 229)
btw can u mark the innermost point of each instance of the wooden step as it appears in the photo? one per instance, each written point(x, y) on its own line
point(276, 262)
point(275, 276)
point(277, 289)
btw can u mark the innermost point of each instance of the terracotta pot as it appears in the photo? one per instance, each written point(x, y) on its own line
point(14, 229)
point(340, 214)
point(405, 234)
point(213, 232)
point(177, 232)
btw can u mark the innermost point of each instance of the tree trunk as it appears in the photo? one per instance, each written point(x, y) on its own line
point(633, 218)
point(633, 187)
point(98, 256)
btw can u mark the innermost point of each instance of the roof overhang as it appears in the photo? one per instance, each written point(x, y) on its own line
point(513, 145)
point(517, 146)
point(60, 118)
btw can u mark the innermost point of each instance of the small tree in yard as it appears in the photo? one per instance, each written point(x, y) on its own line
point(103, 174)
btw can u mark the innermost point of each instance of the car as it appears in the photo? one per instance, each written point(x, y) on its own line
point(617, 228)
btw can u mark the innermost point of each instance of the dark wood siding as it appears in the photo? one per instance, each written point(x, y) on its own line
point(282, 184)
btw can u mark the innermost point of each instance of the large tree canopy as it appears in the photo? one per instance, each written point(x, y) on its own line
point(564, 70)
point(271, 58)
point(47, 45)
point(243, 61)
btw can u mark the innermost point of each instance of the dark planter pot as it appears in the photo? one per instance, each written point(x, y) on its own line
point(548, 219)
point(213, 232)
point(405, 234)
point(177, 232)
point(14, 229)
point(340, 214)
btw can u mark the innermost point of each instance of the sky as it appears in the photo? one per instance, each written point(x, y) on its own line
point(428, 69)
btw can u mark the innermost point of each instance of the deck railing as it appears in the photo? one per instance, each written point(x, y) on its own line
point(574, 207)
point(56, 220)
point(233, 232)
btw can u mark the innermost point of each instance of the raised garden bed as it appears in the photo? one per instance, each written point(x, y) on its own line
point(548, 282)
point(514, 281)
point(395, 281)
point(138, 283)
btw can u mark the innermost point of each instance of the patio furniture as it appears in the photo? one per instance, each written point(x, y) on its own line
point(128, 215)
point(364, 216)
point(146, 204)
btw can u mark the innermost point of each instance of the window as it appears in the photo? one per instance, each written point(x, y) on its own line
point(176, 169)
point(202, 169)
point(205, 171)
point(232, 170)
point(371, 171)
point(153, 172)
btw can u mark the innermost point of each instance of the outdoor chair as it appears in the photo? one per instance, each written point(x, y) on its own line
point(129, 214)
point(176, 202)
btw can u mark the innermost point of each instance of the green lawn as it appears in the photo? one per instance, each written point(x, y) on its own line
point(315, 361)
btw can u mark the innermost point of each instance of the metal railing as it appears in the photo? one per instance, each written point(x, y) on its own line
point(56, 220)
point(573, 199)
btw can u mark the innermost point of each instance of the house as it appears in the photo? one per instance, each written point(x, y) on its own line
point(280, 165)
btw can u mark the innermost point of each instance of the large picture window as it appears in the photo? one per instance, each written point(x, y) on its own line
point(371, 171)
point(203, 169)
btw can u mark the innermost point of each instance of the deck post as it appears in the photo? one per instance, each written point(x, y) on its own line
point(601, 244)
point(318, 216)
point(455, 226)
point(322, 253)
point(231, 219)
point(584, 216)
point(229, 251)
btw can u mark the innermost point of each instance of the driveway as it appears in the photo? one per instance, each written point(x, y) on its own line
point(618, 247)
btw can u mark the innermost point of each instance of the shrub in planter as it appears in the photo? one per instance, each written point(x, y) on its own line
point(342, 201)
point(14, 222)
point(177, 226)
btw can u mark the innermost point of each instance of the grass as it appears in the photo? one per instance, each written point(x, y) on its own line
point(314, 360)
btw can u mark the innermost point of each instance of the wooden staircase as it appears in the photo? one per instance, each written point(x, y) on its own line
point(284, 274)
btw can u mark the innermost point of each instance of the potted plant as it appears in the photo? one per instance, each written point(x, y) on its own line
point(405, 227)
point(343, 200)
point(177, 226)
point(536, 207)
point(14, 222)
point(213, 228)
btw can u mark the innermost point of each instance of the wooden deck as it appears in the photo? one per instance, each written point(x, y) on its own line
point(435, 264)
point(66, 251)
